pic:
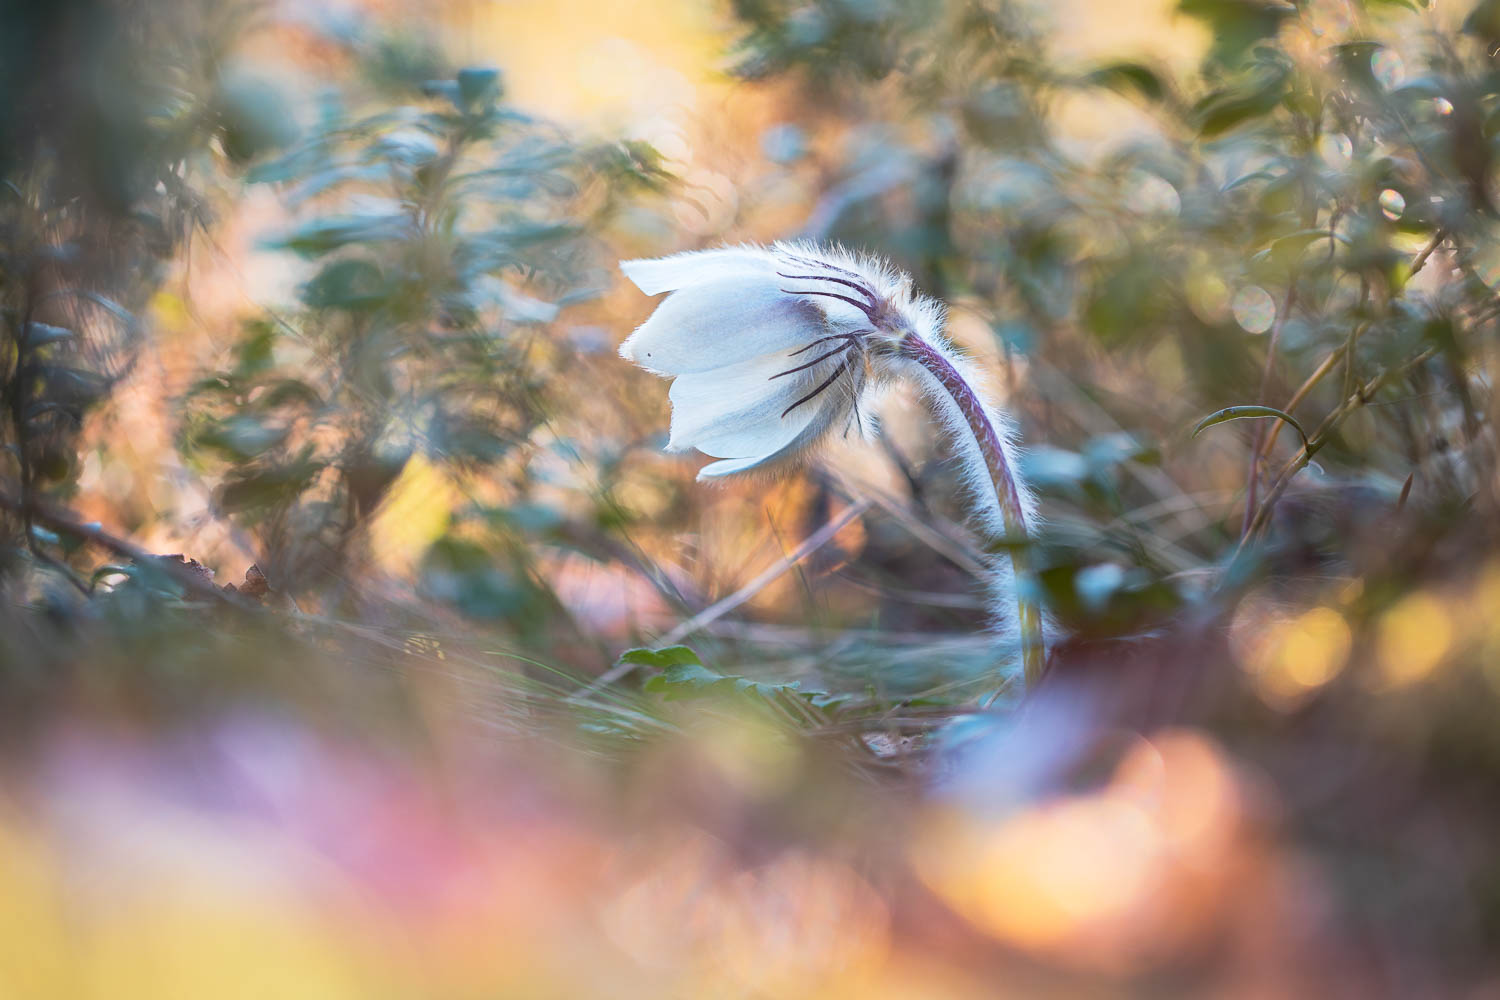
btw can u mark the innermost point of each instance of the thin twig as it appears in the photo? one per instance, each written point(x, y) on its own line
point(722, 607)
point(1252, 475)
point(1324, 367)
point(1345, 350)
point(1319, 438)
point(1353, 339)
point(1421, 259)
point(810, 545)
point(947, 539)
point(63, 569)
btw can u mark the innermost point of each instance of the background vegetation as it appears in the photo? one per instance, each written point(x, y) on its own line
point(359, 639)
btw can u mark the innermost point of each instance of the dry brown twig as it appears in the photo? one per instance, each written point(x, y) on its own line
point(725, 605)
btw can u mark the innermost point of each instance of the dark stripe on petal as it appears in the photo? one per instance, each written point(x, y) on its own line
point(843, 367)
point(868, 310)
point(862, 289)
point(820, 358)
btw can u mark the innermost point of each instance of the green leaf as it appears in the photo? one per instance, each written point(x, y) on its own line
point(1046, 466)
point(240, 437)
point(476, 83)
point(1237, 25)
point(1354, 59)
point(253, 117)
point(320, 236)
point(322, 179)
point(1104, 599)
point(283, 168)
point(442, 88)
point(1129, 77)
point(1484, 20)
point(260, 488)
point(661, 659)
point(44, 535)
point(693, 680)
point(256, 353)
point(1231, 107)
point(214, 385)
point(1107, 450)
point(289, 391)
point(351, 283)
point(122, 315)
point(1128, 300)
point(1255, 175)
point(39, 334)
point(1287, 250)
point(683, 677)
point(72, 390)
point(481, 583)
point(1247, 411)
point(466, 438)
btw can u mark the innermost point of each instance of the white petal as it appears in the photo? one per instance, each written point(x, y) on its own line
point(811, 433)
point(840, 314)
point(722, 322)
point(728, 467)
point(736, 411)
point(665, 274)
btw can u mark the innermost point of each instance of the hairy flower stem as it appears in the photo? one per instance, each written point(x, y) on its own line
point(991, 450)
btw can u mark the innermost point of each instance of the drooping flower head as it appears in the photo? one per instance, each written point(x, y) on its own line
point(772, 349)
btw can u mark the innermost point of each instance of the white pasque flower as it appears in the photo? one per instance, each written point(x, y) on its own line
point(771, 349)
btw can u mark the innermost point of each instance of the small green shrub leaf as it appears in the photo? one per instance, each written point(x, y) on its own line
point(661, 659)
point(1246, 411)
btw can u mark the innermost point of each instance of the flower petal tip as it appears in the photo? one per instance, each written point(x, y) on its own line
point(636, 270)
point(723, 468)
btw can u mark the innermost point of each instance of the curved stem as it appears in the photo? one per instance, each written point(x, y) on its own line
point(991, 448)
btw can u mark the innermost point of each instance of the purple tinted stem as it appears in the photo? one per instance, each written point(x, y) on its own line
point(1007, 496)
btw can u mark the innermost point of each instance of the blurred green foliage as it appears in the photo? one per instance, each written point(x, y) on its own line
point(431, 226)
point(1260, 228)
point(110, 111)
point(1254, 241)
point(1300, 231)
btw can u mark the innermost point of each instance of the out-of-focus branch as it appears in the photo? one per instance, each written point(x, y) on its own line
point(1320, 437)
point(1252, 475)
point(63, 522)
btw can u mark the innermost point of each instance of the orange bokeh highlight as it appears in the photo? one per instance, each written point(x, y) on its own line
point(1108, 880)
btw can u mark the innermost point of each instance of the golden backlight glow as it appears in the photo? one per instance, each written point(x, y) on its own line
point(1288, 658)
point(1106, 879)
point(1413, 639)
point(635, 64)
point(426, 813)
point(414, 514)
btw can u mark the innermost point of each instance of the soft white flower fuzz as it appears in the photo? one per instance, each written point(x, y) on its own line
point(982, 448)
point(771, 348)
